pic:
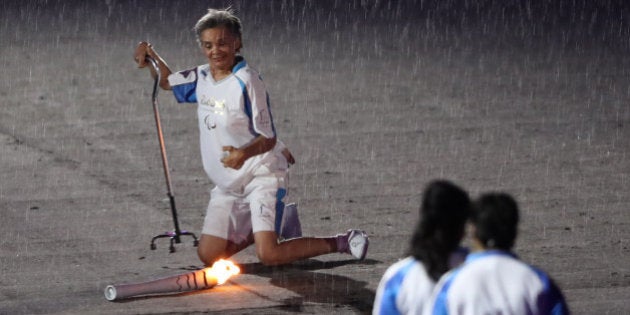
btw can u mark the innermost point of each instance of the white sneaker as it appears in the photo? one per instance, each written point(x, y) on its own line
point(354, 242)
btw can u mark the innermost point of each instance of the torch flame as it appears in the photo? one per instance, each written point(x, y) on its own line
point(222, 270)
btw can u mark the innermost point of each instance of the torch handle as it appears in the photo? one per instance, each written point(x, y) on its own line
point(197, 280)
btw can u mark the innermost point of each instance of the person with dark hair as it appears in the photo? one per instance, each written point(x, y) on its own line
point(493, 280)
point(240, 151)
point(434, 249)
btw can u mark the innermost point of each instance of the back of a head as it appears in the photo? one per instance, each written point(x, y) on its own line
point(495, 217)
point(444, 206)
point(443, 214)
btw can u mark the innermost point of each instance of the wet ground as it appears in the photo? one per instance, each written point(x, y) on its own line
point(374, 100)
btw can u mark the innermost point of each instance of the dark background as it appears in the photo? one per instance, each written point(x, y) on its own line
point(374, 98)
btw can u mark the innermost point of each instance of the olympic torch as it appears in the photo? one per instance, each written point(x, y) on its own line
point(206, 278)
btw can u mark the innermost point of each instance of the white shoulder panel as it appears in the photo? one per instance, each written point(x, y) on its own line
point(183, 77)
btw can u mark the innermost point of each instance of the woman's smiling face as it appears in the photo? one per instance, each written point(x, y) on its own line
point(220, 47)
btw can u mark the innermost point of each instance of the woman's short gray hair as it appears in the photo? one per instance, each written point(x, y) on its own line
point(215, 18)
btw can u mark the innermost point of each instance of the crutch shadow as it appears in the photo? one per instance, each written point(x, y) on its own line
point(317, 287)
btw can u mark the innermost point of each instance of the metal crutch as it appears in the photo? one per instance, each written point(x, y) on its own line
point(174, 236)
